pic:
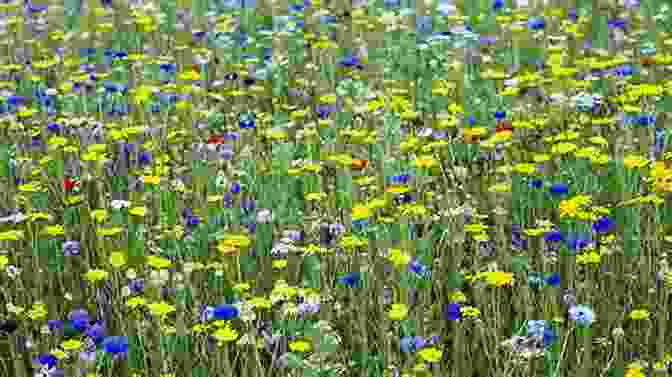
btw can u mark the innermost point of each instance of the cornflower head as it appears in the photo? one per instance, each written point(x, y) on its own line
point(582, 315)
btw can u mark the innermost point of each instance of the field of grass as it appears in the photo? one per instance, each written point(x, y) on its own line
point(269, 188)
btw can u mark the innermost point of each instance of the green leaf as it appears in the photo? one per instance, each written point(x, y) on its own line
point(294, 361)
point(328, 344)
point(455, 280)
point(520, 263)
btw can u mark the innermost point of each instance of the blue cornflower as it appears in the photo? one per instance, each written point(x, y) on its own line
point(646, 120)
point(116, 345)
point(625, 70)
point(136, 286)
point(80, 319)
point(168, 68)
point(418, 268)
point(604, 225)
point(352, 280)
point(617, 23)
point(553, 236)
point(536, 24)
point(96, 332)
point(86, 51)
point(576, 242)
point(235, 188)
point(55, 324)
point(471, 120)
point(400, 179)
point(559, 189)
point(328, 19)
point(54, 127)
point(225, 312)
point(145, 158)
point(48, 360)
point(193, 221)
point(536, 183)
point(207, 313)
point(549, 336)
point(359, 225)
point(582, 315)
point(247, 123)
point(228, 199)
point(407, 344)
point(553, 280)
point(296, 7)
point(349, 61)
point(16, 100)
point(453, 312)
point(498, 4)
point(499, 115)
point(536, 328)
point(534, 280)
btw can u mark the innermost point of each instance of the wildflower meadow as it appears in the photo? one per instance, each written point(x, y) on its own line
point(326, 188)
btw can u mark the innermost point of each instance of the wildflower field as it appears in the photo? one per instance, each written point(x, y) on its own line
point(271, 188)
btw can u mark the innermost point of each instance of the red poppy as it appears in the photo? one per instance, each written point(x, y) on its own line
point(359, 164)
point(216, 139)
point(472, 139)
point(504, 126)
point(647, 61)
point(69, 184)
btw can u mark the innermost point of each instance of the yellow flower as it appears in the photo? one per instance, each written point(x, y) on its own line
point(12, 235)
point(535, 232)
point(60, 354)
point(158, 263)
point(525, 168)
point(475, 228)
point(138, 211)
point(200, 329)
point(426, 162)
point(471, 312)
point(54, 230)
point(279, 264)
point(151, 179)
point(639, 314)
point(103, 232)
point(360, 212)
point(398, 312)
point(260, 302)
point(498, 278)
point(239, 241)
point(226, 334)
point(96, 275)
point(399, 258)
point(634, 162)
point(301, 346)
point(568, 208)
point(431, 354)
point(4, 261)
point(500, 187)
point(117, 259)
point(563, 148)
point(29, 187)
point(71, 345)
point(457, 297)
point(161, 309)
point(599, 140)
point(100, 215)
point(242, 287)
point(38, 312)
point(136, 302)
point(588, 258)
